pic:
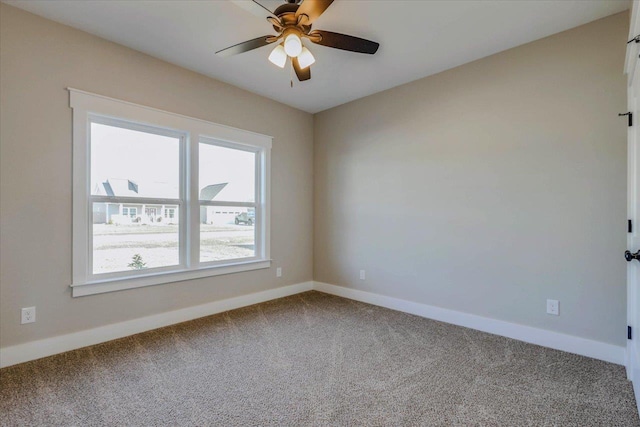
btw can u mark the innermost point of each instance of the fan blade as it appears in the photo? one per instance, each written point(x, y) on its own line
point(313, 9)
point(345, 42)
point(245, 46)
point(303, 74)
point(254, 7)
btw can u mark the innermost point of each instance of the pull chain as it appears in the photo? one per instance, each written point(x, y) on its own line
point(291, 74)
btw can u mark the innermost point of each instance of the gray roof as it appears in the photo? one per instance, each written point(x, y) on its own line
point(211, 191)
point(119, 187)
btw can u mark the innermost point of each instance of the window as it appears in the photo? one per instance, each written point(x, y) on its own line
point(160, 197)
point(129, 212)
point(227, 179)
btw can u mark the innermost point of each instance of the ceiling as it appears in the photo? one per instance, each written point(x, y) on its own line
point(417, 38)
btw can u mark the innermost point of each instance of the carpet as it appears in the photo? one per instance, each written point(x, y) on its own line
point(316, 360)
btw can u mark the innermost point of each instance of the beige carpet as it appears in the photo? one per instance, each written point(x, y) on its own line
point(315, 359)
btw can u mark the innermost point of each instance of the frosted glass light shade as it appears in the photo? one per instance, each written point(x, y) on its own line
point(278, 56)
point(305, 58)
point(293, 45)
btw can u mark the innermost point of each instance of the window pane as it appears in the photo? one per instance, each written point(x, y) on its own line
point(227, 174)
point(134, 237)
point(226, 233)
point(130, 163)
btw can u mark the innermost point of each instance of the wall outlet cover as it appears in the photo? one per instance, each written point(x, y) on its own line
point(28, 315)
point(553, 307)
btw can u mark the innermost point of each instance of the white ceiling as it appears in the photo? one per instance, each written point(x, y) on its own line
point(417, 38)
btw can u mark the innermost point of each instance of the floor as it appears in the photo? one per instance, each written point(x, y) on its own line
point(316, 359)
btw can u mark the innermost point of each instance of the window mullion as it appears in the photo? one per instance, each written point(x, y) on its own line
point(231, 204)
point(193, 204)
point(259, 229)
point(183, 226)
point(132, 200)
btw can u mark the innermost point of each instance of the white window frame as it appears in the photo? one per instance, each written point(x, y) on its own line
point(259, 243)
point(87, 107)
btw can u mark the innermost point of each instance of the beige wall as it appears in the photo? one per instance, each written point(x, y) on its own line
point(487, 188)
point(38, 60)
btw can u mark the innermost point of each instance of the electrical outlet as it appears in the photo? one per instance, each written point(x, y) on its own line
point(279, 272)
point(362, 275)
point(28, 315)
point(553, 307)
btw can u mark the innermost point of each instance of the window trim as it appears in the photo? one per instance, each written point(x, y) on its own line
point(86, 107)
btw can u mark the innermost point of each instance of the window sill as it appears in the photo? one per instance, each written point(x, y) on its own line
point(118, 284)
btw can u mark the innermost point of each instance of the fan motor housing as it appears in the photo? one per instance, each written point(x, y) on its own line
point(286, 13)
point(287, 8)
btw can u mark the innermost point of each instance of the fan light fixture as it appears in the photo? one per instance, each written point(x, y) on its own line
point(305, 58)
point(278, 56)
point(292, 45)
point(292, 22)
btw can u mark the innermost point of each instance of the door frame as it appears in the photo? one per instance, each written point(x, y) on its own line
point(632, 70)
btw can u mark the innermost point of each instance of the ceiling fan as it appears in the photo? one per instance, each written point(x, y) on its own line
point(292, 21)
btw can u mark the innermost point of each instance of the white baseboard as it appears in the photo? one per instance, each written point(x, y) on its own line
point(47, 347)
point(569, 343)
